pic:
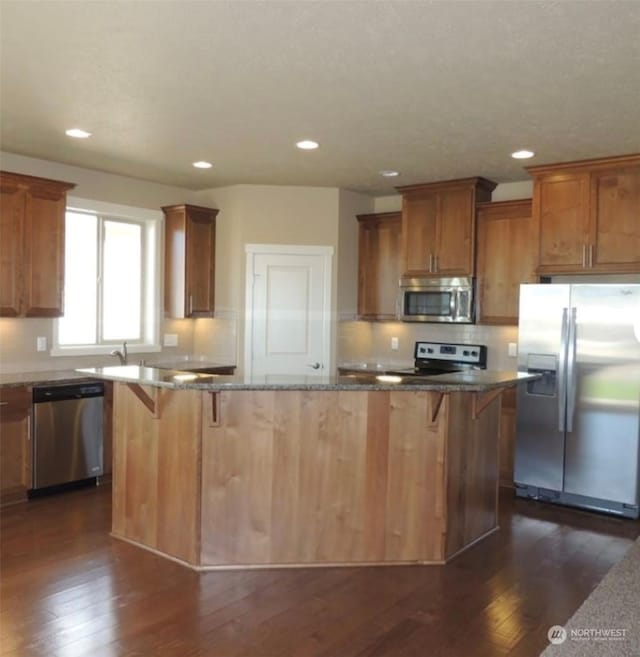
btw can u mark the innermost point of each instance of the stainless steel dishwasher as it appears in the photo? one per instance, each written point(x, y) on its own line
point(67, 433)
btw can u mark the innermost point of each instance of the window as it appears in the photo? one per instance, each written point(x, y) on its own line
point(111, 279)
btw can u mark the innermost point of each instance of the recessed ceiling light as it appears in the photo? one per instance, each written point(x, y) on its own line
point(307, 144)
point(522, 155)
point(202, 165)
point(77, 133)
point(389, 173)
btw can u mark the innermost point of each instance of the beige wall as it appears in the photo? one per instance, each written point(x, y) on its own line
point(18, 346)
point(260, 214)
point(97, 185)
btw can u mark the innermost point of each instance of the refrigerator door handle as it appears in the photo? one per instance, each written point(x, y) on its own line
point(562, 370)
point(572, 370)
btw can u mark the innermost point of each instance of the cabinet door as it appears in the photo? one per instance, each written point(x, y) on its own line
point(507, 255)
point(561, 209)
point(378, 265)
point(419, 215)
point(15, 456)
point(200, 250)
point(12, 199)
point(615, 219)
point(44, 252)
point(454, 235)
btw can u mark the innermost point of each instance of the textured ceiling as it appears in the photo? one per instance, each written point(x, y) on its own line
point(437, 90)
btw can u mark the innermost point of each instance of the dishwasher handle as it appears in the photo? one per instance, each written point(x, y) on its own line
point(42, 394)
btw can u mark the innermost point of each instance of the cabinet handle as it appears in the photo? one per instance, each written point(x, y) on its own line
point(4, 403)
point(191, 304)
point(590, 255)
point(435, 264)
point(431, 263)
point(584, 256)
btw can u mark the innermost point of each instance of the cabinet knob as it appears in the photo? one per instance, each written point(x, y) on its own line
point(314, 366)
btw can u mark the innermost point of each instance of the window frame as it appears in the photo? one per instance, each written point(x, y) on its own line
point(152, 222)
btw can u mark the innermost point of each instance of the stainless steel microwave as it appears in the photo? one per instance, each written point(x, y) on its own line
point(436, 300)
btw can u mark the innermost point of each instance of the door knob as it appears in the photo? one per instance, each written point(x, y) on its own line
point(315, 366)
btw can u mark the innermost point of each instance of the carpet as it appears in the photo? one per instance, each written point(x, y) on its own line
point(608, 622)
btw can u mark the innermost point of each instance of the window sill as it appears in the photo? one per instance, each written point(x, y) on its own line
point(104, 350)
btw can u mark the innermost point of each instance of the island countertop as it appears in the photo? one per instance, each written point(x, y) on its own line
point(469, 381)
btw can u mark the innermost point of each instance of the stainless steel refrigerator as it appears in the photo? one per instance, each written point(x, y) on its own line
point(578, 426)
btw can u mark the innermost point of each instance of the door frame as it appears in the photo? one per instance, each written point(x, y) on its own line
point(253, 250)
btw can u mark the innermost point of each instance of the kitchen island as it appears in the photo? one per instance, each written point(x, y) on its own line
point(224, 472)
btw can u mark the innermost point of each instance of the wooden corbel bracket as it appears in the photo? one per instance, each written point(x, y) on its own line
point(152, 401)
point(436, 402)
point(481, 400)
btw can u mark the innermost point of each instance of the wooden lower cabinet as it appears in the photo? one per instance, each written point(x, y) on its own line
point(15, 446)
point(507, 437)
point(506, 257)
point(262, 478)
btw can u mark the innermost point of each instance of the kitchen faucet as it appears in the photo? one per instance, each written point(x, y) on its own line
point(122, 355)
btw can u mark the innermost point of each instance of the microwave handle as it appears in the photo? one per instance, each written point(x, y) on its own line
point(463, 306)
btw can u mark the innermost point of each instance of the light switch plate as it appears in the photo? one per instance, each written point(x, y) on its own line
point(41, 343)
point(513, 349)
point(170, 340)
point(395, 344)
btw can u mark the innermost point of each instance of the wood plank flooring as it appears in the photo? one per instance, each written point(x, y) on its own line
point(69, 590)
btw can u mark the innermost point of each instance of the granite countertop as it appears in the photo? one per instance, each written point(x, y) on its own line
point(16, 379)
point(477, 381)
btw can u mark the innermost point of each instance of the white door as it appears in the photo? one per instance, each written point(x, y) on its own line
point(288, 310)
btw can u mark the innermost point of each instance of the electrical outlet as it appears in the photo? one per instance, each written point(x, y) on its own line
point(41, 343)
point(395, 344)
point(170, 340)
point(513, 349)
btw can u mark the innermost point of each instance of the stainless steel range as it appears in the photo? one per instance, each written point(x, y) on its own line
point(433, 358)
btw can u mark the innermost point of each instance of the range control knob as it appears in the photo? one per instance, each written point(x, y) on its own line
point(465, 353)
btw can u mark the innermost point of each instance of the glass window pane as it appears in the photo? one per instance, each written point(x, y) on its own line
point(122, 281)
point(78, 326)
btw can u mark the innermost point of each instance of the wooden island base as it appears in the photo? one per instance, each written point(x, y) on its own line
point(282, 478)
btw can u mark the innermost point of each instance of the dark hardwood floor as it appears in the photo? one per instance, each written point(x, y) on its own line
point(69, 590)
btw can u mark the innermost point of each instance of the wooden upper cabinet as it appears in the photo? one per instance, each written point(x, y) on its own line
point(378, 264)
point(190, 243)
point(11, 247)
point(438, 226)
point(586, 215)
point(615, 218)
point(506, 257)
point(32, 220)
